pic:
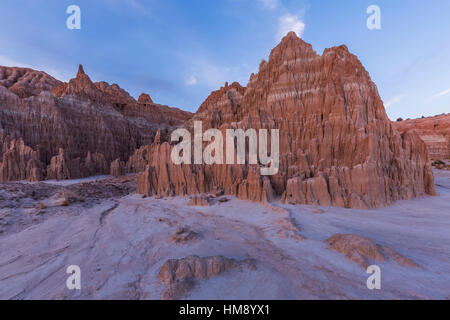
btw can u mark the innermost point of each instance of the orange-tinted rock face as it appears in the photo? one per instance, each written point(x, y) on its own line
point(434, 131)
point(145, 99)
point(19, 161)
point(26, 82)
point(337, 146)
point(77, 130)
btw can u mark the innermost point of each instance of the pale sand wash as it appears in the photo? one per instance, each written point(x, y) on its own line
point(120, 243)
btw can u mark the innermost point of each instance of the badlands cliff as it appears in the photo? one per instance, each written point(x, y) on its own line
point(434, 131)
point(55, 130)
point(337, 146)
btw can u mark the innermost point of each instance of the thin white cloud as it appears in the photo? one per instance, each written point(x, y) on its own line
point(290, 22)
point(8, 62)
point(442, 93)
point(192, 81)
point(208, 73)
point(270, 4)
point(392, 101)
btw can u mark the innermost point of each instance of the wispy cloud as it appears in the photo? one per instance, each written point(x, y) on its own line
point(192, 81)
point(441, 94)
point(9, 62)
point(392, 101)
point(206, 72)
point(290, 22)
point(270, 4)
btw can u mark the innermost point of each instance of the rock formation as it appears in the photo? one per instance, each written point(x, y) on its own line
point(199, 201)
point(26, 82)
point(145, 99)
point(180, 275)
point(363, 251)
point(19, 161)
point(434, 131)
point(117, 168)
point(76, 130)
point(337, 146)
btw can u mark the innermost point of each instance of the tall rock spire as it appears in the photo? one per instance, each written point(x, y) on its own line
point(80, 71)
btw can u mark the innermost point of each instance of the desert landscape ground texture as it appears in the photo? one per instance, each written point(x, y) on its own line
point(130, 247)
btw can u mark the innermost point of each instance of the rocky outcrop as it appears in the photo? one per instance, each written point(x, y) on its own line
point(180, 274)
point(199, 201)
point(145, 99)
point(80, 128)
point(184, 235)
point(162, 177)
point(363, 251)
point(337, 146)
point(220, 107)
point(25, 82)
point(434, 131)
point(117, 168)
point(62, 167)
point(19, 161)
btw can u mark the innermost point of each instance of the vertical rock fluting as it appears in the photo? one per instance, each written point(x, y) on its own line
point(19, 161)
point(434, 131)
point(337, 146)
point(78, 129)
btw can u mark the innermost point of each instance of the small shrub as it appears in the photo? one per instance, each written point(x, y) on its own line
point(42, 206)
point(439, 164)
point(399, 119)
point(65, 203)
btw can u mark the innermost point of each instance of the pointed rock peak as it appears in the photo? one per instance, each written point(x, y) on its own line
point(292, 34)
point(145, 99)
point(82, 76)
point(291, 38)
point(80, 71)
point(292, 46)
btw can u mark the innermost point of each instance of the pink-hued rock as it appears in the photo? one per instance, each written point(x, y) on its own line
point(363, 251)
point(92, 123)
point(19, 161)
point(199, 201)
point(117, 168)
point(25, 82)
point(61, 167)
point(144, 98)
point(434, 131)
point(337, 145)
point(180, 274)
point(162, 177)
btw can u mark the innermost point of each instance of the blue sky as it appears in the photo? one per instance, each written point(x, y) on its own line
point(178, 51)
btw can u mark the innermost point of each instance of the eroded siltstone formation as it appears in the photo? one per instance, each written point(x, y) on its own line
point(434, 131)
point(337, 146)
point(55, 130)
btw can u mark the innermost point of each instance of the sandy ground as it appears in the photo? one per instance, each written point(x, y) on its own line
point(120, 241)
